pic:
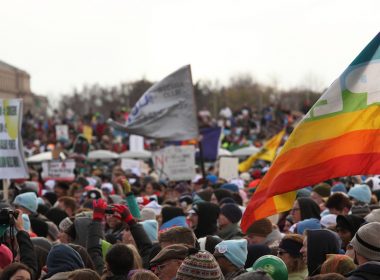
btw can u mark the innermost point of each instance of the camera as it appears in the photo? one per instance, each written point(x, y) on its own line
point(109, 209)
point(7, 216)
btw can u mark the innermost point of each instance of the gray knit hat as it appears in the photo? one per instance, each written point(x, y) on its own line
point(366, 241)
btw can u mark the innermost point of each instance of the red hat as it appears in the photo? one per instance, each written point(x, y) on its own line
point(6, 256)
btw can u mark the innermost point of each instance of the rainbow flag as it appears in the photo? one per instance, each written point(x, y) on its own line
point(339, 136)
point(268, 152)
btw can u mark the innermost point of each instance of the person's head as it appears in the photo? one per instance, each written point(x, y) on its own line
point(306, 224)
point(258, 231)
point(67, 231)
point(320, 193)
point(347, 226)
point(16, 271)
point(63, 258)
point(339, 204)
point(144, 275)
point(119, 259)
point(305, 208)
point(137, 260)
point(6, 256)
point(83, 274)
point(316, 245)
point(61, 189)
point(360, 194)
point(230, 213)
point(166, 263)
point(151, 188)
point(288, 224)
point(27, 202)
point(199, 265)
point(289, 252)
point(366, 243)
point(114, 220)
point(205, 218)
point(255, 252)
point(341, 264)
point(209, 242)
point(87, 261)
point(177, 235)
point(67, 204)
point(219, 194)
point(76, 191)
point(231, 255)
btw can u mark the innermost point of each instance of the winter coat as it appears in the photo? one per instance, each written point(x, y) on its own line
point(300, 275)
point(367, 271)
point(231, 231)
point(208, 214)
point(27, 253)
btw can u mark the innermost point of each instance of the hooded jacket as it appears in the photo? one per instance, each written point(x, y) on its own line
point(367, 271)
point(309, 208)
point(319, 243)
point(208, 214)
point(62, 258)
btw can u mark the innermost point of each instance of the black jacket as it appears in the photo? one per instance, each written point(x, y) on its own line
point(27, 254)
point(367, 271)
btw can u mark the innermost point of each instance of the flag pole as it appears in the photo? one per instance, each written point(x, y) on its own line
point(202, 162)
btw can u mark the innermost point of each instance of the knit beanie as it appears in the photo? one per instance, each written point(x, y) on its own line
point(338, 188)
point(328, 220)
point(366, 241)
point(361, 193)
point(323, 190)
point(233, 250)
point(308, 224)
point(360, 210)
point(147, 214)
point(232, 212)
point(374, 216)
point(230, 187)
point(305, 192)
point(200, 265)
point(349, 222)
point(6, 256)
point(261, 227)
point(27, 200)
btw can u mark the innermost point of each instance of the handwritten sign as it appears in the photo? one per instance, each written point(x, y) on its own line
point(58, 170)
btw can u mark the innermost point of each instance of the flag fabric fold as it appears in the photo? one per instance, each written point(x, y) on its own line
point(166, 110)
point(268, 152)
point(339, 136)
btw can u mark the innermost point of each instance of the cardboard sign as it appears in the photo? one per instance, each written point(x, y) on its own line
point(228, 168)
point(12, 161)
point(175, 163)
point(58, 170)
point(136, 143)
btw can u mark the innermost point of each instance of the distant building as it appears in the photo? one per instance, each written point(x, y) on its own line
point(15, 83)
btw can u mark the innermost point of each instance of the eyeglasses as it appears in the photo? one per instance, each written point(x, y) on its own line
point(280, 253)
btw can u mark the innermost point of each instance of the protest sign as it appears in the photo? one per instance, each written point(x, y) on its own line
point(58, 170)
point(62, 132)
point(228, 168)
point(135, 166)
point(12, 161)
point(136, 143)
point(87, 133)
point(175, 163)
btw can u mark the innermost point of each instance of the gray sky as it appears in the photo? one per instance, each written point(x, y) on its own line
point(67, 43)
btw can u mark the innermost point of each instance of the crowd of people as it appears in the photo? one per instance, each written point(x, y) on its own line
point(110, 223)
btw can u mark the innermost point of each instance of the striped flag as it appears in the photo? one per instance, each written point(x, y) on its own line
point(339, 136)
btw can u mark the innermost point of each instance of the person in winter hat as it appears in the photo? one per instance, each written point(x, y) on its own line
point(347, 226)
point(172, 216)
point(254, 252)
point(259, 231)
point(339, 204)
point(366, 246)
point(361, 194)
point(320, 193)
point(203, 218)
point(231, 256)
point(230, 215)
point(305, 208)
point(199, 265)
point(27, 202)
point(308, 224)
point(62, 259)
point(209, 242)
point(6, 257)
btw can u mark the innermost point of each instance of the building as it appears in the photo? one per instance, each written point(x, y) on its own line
point(15, 83)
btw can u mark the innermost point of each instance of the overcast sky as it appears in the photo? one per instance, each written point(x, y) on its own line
point(65, 44)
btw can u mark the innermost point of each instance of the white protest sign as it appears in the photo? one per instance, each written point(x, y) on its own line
point(228, 168)
point(136, 143)
point(62, 132)
point(58, 170)
point(12, 161)
point(175, 163)
point(136, 166)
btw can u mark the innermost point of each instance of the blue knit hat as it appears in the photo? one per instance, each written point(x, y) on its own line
point(361, 193)
point(340, 187)
point(230, 187)
point(27, 200)
point(234, 250)
point(151, 229)
point(308, 224)
point(212, 178)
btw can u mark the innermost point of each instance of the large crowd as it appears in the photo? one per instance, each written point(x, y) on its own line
point(110, 223)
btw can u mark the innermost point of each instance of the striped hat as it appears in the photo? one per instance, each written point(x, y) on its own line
point(201, 265)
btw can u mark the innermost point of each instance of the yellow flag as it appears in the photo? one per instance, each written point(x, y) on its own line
point(87, 132)
point(268, 152)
